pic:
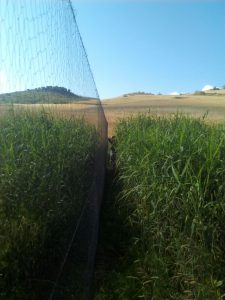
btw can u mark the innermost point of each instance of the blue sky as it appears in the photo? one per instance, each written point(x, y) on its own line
point(40, 46)
point(132, 45)
point(153, 46)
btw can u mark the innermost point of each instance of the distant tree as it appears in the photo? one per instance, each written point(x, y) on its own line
point(199, 93)
point(56, 89)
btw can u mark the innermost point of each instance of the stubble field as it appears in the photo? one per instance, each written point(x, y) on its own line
point(212, 104)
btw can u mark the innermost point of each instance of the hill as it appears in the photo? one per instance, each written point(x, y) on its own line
point(48, 94)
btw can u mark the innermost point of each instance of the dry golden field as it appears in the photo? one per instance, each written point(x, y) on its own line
point(89, 110)
point(212, 104)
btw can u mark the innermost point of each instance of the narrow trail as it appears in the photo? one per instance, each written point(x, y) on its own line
point(113, 235)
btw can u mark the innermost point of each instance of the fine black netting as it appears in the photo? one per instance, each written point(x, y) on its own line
point(53, 137)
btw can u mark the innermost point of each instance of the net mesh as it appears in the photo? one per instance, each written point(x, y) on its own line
point(53, 139)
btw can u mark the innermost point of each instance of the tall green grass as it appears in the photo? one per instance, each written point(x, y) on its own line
point(172, 177)
point(46, 165)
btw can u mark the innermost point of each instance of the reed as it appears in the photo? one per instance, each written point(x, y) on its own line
point(46, 169)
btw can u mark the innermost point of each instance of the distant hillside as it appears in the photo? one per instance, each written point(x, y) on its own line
point(48, 94)
point(216, 92)
point(212, 92)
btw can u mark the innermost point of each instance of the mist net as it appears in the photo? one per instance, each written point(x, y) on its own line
point(53, 135)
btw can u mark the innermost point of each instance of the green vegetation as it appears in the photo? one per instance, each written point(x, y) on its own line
point(137, 93)
point(200, 93)
point(46, 164)
point(170, 206)
point(49, 94)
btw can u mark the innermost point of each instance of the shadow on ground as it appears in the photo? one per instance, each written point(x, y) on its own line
point(114, 239)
